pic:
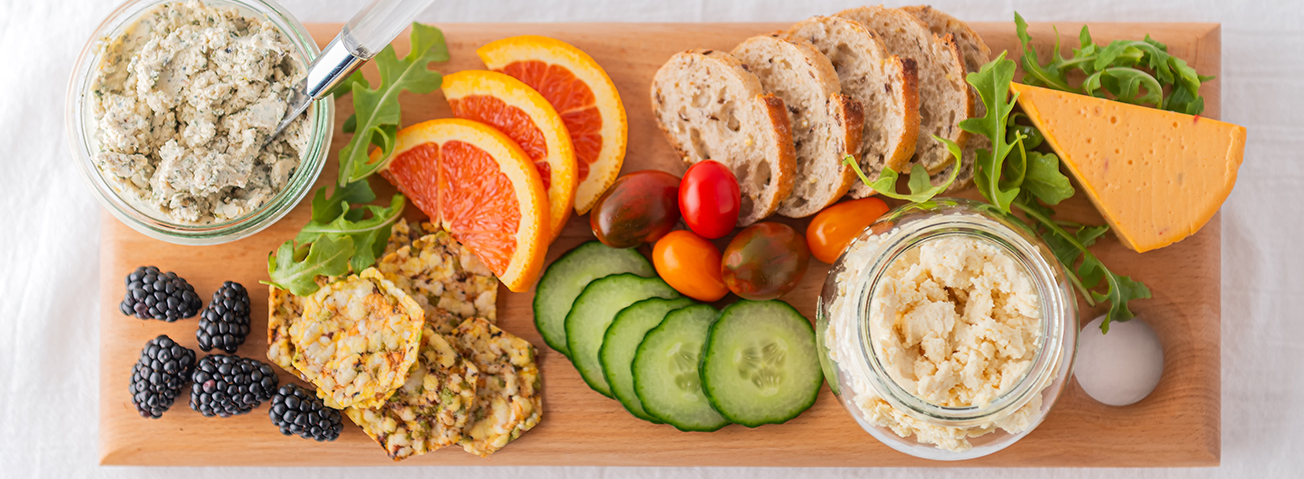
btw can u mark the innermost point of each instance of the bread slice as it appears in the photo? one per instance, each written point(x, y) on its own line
point(976, 54)
point(885, 85)
point(826, 125)
point(711, 107)
point(944, 97)
point(973, 50)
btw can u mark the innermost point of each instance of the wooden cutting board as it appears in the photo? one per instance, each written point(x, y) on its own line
point(1178, 425)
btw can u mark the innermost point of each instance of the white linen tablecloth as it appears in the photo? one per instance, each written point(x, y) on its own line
point(49, 236)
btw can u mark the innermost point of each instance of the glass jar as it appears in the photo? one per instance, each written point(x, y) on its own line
point(856, 370)
point(80, 124)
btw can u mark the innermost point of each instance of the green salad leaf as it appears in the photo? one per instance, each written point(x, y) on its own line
point(993, 84)
point(296, 268)
point(921, 188)
point(367, 225)
point(377, 110)
point(346, 232)
point(1130, 71)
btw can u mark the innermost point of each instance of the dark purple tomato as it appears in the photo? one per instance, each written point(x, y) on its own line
point(765, 261)
point(638, 208)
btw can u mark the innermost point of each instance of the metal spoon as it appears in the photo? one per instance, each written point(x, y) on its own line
point(362, 37)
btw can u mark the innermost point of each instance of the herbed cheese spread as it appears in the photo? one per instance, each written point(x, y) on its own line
point(184, 100)
point(955, 321)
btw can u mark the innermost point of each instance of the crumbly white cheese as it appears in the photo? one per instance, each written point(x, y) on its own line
point(184, 100)
point(956, 322)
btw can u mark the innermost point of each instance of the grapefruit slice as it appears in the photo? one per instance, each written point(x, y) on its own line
point(525, 116)
point(582, 94)
point(480, 186)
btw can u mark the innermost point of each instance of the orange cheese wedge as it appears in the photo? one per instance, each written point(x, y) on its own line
point(1156, 176)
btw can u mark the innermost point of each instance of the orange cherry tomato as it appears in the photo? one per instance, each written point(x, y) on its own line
point(834, 228)
point(690, 264)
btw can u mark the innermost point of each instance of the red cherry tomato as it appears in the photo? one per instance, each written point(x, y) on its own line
point(638, 208)
point(834, 228)
point(690, 264)
point(765, 261)
point(709, 199)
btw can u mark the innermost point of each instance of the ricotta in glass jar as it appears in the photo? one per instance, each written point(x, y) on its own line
point(944, 326)
point(184, 100)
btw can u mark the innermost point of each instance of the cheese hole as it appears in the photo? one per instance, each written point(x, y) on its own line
point(1113, 120)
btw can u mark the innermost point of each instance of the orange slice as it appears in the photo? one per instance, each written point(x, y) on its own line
point(478, 184)
point(525, 116)
point(582, 93)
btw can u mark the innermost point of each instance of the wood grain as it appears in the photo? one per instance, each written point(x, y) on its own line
point(1178, 425)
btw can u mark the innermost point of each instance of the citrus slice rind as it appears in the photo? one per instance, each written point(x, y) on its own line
point(525, 116)
point(582, 93)
point(481, 187)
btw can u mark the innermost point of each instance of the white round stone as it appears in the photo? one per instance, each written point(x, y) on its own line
point(1122, 367)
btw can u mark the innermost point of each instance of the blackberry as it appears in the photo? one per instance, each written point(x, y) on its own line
point(225, 323)
point(297, 410)
point(155, 295)
point(227, 386)
point(158, 376)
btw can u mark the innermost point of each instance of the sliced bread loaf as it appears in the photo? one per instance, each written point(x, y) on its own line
point(976, 54)
point(885, 85)
point(944, 97)
point(826, 125)
point(711, 107)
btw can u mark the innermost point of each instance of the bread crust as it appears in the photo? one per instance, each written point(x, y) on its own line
point(976, 54)
point(774, 126)
point(897, 75)
point(826, 125)
point(940, 63)
point(909, 96)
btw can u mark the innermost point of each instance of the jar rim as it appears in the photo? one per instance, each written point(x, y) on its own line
point(969, 219)
point(80, 134)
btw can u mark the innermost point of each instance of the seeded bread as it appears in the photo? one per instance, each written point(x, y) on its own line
point(711, 107)
point(976, 54)
point(826, 125)
point(885, 85)
point(944, 97)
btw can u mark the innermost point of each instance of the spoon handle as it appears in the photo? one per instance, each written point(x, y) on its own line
point(378, 23)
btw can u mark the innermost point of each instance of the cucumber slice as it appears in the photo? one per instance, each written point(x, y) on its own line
point(760, 365)
point(665, 371)
point(621, 342)
point(587, 322)
point(566, 278)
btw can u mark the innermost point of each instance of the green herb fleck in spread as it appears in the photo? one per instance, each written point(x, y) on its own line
point(184, 100)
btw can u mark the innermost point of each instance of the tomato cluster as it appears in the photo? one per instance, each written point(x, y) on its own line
point(762, 262)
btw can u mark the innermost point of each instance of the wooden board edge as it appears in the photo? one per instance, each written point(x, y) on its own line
point(108, 222)
point(1206, 447)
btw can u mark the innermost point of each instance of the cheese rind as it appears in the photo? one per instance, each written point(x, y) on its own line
point(1156, 176)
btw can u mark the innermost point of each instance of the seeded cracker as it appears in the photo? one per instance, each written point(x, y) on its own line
point(357, 339)
point(403, 234)
point(431, 409)
point(439, 273)
point(508, 400)
point(283, 309)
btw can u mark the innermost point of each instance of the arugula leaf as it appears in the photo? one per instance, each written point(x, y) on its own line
point(1122, 289)
point(921, 188)
point(346, 87)
point(993, 84)
point(1117, 71)
point(1044, 180)
point(377, 110)
point(345, 233)
point(336, 218)
point(296, 268)
point(1049, 76)
point(1030, 180)
point(1069, 248)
